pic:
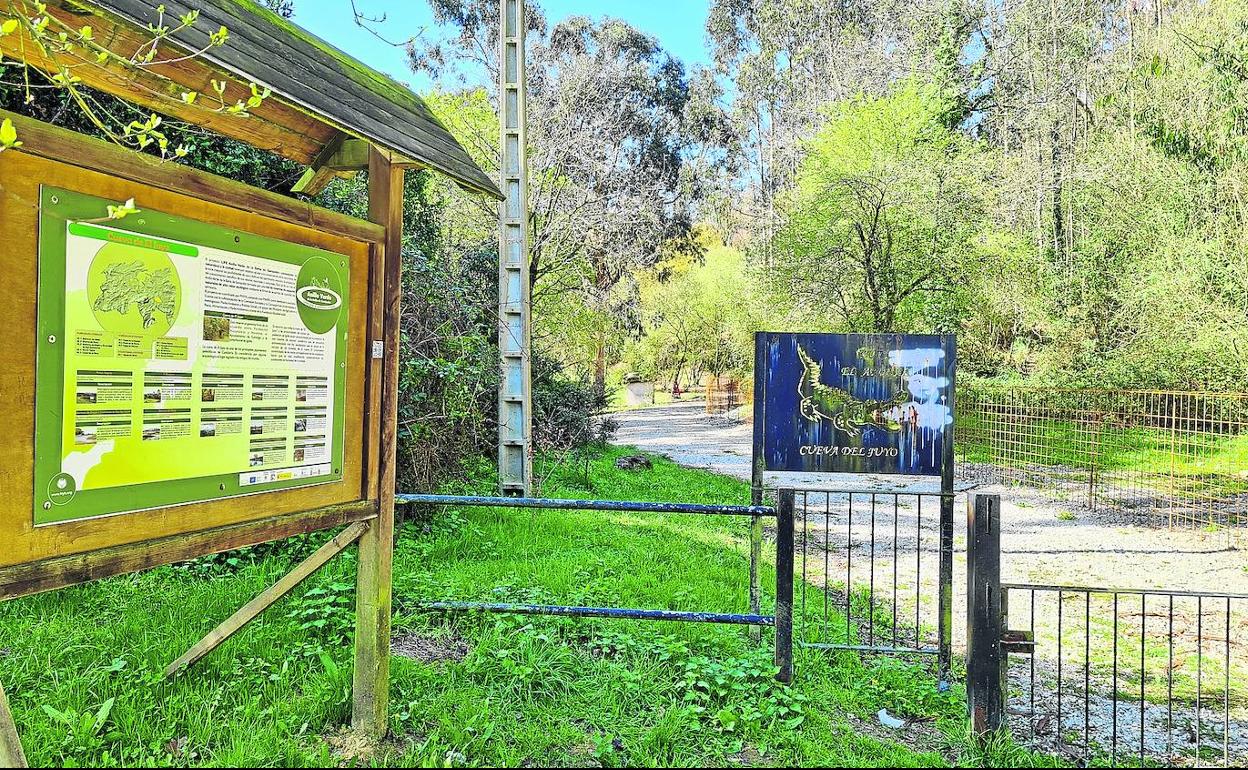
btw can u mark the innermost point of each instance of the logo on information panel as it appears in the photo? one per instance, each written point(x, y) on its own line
point(318, 294)
point(319, 297)
point(62, 488)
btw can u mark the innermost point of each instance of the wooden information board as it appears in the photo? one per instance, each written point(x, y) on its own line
point(213, 359)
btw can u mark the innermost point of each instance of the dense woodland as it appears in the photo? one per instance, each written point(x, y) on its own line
point(1060, 182)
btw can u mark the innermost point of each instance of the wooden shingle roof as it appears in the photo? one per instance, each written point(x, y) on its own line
point(321, 92)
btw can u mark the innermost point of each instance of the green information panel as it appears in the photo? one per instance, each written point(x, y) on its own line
point(180, 362)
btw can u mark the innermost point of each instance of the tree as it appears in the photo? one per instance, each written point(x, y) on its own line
point(621, 139)
point(884, 215)
point(696, 314)
point(788, 59)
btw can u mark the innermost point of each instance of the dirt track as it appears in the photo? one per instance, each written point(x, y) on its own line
point(1037, 545)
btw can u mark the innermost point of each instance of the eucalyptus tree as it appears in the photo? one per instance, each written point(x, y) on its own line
point(790, 59)
point(622, 139)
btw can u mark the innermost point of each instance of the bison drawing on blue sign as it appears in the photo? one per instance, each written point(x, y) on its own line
point(854, 403)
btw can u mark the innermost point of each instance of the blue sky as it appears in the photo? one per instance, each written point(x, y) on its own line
point(680, 25)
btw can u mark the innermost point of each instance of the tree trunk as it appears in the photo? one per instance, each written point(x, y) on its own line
point(600, 367)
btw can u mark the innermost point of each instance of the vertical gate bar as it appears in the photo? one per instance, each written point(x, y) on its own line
point(871, 584)
point(784, 586)
point(895, 513)
point(1087, 676)
point(1114, 690)
point(756, 547)
point(756, 484)
point(945, 643)
point(1170, 682)
point(945, 621)
point(918, 570)
point(805, 530)
point(1200, 657)
point(1058, 725)
point(1226, 703)
point(1032, 663)
point(849, 563)
point(827, 547)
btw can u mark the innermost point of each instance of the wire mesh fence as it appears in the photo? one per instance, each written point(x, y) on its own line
point(723, 394)
point(1128, 677)
point(1167, 457)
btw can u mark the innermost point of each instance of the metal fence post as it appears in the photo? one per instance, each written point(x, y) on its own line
point(944, 655)
point(756, 560)
point(944, 658)
point(784, 585)
point(985, 624)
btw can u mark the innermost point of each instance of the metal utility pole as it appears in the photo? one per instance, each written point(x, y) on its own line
point(515, 393)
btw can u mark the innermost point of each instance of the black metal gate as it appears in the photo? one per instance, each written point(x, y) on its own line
point(1102, 674)
point(875, 572)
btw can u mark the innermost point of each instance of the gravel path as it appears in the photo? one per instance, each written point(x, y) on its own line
point(1037, 546)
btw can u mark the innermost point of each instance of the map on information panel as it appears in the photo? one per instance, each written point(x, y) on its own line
point(180, 362)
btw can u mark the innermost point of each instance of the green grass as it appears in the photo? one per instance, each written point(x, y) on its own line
point(618, 403)
point(83, 666)
point(1199, 464)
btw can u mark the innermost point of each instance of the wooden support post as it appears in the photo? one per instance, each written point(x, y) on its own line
point(371, 686)
point(253, 608)
point(784, 585)
point(985, 627)
point(11, 754)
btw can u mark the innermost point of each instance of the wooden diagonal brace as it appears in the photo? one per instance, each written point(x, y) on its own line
point(252, 609)
point(342, 156)
point(10, 744)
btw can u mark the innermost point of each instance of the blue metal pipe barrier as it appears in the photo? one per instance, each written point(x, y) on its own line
point(585, 505)
point(617, 613)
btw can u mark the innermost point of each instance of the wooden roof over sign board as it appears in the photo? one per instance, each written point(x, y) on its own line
point(320, 95)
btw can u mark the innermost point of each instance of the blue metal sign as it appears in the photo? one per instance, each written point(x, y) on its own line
point(853, 403)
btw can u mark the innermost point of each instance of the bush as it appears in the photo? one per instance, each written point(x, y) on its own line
point(567, 412)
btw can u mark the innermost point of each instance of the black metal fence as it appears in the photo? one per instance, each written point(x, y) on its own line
point(1130, 675)
point(1169, 457)
point(875, 575)
point(1104, 675)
